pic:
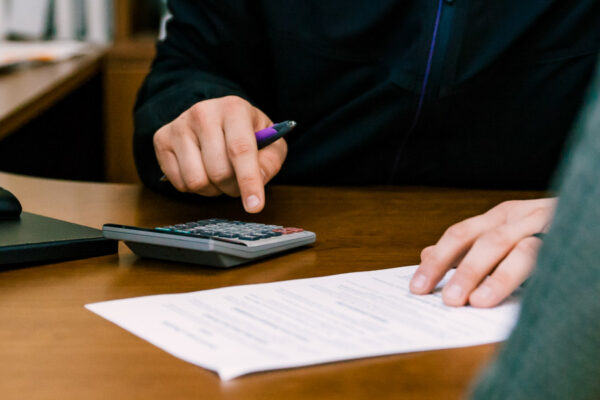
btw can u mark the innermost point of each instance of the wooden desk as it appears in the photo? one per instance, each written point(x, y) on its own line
point(52, 348)
point(26, 93)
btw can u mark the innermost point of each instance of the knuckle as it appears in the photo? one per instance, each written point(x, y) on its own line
point(196, 184)
point(528, 246)
point(458, 232)
point(235, 105)
point(539, 212)
point(434, 263)
point(220, 176)
point(469, 273)
point(233, 101)
point(501, 280)
point(160, 139)
point(199, 113)
point(510, 203)
point(426, 252)
point(498, 238)
point(249, 179)
point(506, 205)
point(239, 147)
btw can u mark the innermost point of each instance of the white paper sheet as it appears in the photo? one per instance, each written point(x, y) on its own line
point(13, 53)
point(238, 330)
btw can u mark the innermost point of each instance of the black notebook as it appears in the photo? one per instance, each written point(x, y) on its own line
point(34, 239)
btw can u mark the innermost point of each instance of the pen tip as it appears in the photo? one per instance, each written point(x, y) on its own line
point(292, 124)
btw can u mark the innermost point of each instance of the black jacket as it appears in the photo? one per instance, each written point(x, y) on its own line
point(437, 92)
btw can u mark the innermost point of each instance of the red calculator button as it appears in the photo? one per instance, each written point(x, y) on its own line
point(287, 231)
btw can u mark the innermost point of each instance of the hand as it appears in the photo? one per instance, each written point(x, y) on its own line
point(211, 149)
point(499, 243)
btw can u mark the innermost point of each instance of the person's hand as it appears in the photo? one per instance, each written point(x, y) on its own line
point(211, 149)
point(493, 254)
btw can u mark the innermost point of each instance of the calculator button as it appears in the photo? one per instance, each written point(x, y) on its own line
point(264, 235)
point(226, 235)
point(202, 222)
point(167, 229)
point(288, 230)
point(248, 237)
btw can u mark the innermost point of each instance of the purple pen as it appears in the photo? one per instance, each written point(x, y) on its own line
point(266, 136)
point(269, 135)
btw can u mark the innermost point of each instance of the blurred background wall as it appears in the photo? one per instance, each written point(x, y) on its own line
point(87, 135)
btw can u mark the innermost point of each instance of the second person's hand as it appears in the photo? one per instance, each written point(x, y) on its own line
point(493, 254)
point(211, 149)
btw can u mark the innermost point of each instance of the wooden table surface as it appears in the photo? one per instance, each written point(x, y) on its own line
point(26, 93)
point(53, 348)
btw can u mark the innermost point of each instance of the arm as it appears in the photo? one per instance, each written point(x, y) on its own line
point(194, 119)
point(554, 351)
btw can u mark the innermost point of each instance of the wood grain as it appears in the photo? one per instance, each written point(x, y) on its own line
point(52, 348)
point(127, 64)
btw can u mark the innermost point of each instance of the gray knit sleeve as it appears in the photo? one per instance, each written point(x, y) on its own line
point(554, 351)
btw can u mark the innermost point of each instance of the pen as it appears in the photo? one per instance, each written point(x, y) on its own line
point(266, 136)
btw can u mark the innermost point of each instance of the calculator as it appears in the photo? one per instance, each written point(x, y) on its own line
point(214, 242)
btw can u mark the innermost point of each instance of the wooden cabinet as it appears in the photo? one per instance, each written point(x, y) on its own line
point(126, 65)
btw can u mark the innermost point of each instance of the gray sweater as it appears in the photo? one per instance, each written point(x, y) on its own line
point(554, 351)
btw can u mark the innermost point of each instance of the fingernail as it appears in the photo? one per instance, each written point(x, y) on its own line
point(484, 292)
point(454, 292)
point(252, 202)
point(418, 282)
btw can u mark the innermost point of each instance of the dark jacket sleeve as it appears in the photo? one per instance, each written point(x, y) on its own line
point(554, 351)
point(190, 66)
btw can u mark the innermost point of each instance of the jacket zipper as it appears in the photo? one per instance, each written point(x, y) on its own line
point(433, 71)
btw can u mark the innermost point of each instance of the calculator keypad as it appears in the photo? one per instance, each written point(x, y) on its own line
point(230, 230)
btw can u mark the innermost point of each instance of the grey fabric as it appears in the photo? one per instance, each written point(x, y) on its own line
point(554, 351)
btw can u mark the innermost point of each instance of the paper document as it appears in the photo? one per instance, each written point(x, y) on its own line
point(238, 330)
point(13, 53)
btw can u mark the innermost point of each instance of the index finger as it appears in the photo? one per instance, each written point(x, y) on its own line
point(243, 154)
point(451, 247)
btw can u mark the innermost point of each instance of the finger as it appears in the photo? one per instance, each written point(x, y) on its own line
point(191, 166)
point(426, 252)
point(487, 252)
point(243, 153)
point(170, 167)
point(451, 247)
point(509, 275)
point(214, 156)
point(166, 158)
point(271, 159)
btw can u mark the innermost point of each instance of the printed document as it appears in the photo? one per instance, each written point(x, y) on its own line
point(243, 329)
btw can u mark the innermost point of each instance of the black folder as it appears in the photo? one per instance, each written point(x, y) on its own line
point(34, 239)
